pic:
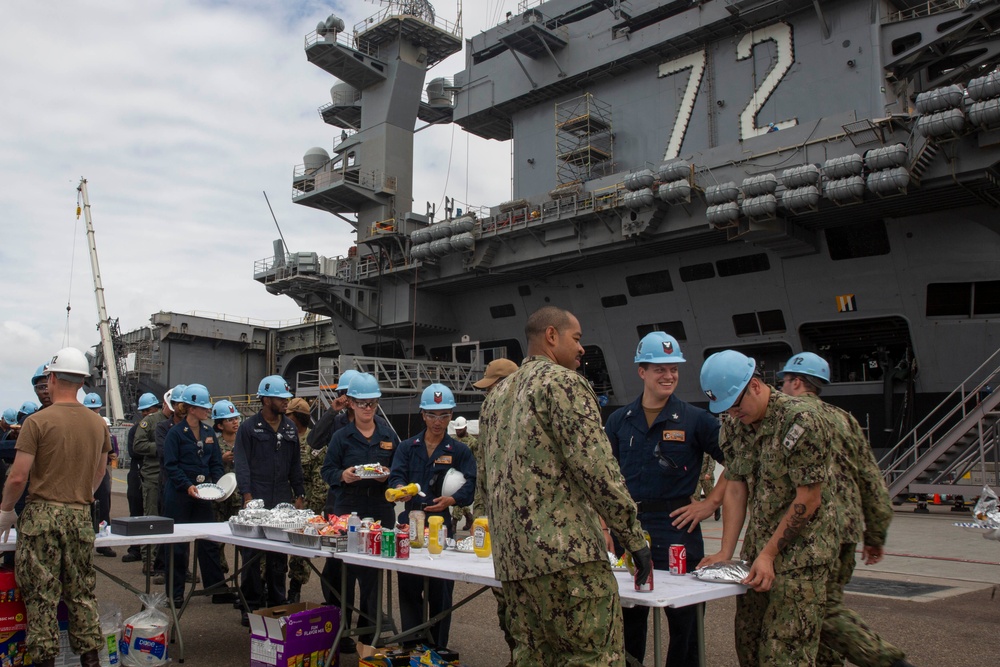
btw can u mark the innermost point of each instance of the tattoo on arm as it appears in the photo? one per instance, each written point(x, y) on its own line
point(796, 522)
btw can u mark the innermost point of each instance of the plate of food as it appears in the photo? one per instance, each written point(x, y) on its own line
point(371, 471)
point(209, 491)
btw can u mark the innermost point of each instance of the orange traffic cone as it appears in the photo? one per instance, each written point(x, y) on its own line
point(937, 498)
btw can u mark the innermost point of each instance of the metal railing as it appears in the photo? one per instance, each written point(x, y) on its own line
point(403, 377)
point(334, 171)
point(963, 402)
point(345, 39)
point(420, 9)
point(924, 9)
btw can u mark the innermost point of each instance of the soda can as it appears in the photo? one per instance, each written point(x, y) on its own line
point(648, 586)
point(403, 543)
point(363, 540)
point(375, 542)
point(678, 559)
point(388, 543)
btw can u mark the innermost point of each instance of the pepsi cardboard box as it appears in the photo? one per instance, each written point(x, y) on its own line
point(293, 635)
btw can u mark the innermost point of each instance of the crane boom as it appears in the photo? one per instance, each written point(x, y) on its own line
point(114, 396)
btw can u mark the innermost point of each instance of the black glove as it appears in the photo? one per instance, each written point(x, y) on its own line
point(643, 560)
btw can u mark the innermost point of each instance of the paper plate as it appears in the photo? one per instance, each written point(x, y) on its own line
point(209, 491)
point(228, 484)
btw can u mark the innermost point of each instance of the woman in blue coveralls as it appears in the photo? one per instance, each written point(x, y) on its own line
point(365, 440)
point(660, 442)
point(425, 459)
point(191, 456)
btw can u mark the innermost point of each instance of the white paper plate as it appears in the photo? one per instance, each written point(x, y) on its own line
point(228, 485)
point(209, 491)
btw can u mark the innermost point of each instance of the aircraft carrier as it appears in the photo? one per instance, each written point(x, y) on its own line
point(765, 175)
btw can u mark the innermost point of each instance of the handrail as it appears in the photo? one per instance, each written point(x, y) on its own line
point(929, 429)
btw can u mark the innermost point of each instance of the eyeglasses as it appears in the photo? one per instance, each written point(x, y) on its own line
point(438, 418)
point(365, 405)
point(739, 399)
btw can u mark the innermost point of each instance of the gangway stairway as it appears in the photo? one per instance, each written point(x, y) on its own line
point(959, 436)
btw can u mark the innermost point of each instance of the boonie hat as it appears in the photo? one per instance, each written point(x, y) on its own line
point(299, 405)
point(495, 371)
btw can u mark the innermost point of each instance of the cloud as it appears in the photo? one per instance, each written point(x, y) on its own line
point(180, 115)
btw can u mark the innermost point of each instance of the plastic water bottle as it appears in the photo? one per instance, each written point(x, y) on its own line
point(353, 526)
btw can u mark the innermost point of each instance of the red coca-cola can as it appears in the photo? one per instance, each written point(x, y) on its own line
point(403, 543)
point(678, 559)
point(374, 547)
point(648, 586)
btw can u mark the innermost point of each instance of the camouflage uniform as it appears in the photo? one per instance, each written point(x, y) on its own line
point(145, 446)
point(316, 490)
point(55, 560)
point(788, 449)
point(550, 478)
point(706, 480)
point(864, 511)
point(229, 507)
point(456, 511)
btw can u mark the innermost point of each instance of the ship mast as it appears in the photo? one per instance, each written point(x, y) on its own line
point(115, 412)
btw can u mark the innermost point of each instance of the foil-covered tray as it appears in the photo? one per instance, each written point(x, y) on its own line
point(245, 530)
point(724, 572)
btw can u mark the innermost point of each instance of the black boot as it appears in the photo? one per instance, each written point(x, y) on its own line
point(294, 591)
point(48, 662)
point(90, 659)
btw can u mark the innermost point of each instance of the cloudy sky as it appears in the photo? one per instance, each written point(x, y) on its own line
point(179, 113)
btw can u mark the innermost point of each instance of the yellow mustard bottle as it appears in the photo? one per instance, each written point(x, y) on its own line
point(392, 495)
point(481, 537)
point(435, 544)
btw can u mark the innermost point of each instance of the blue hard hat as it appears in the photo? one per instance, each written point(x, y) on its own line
point(197, 395)
point(27, 408)
point(275, 386)
point(224, 410)
point(657, 347)
point(147, 400)
point(363, 386)
point(177, 393)
point(10, 416)
point(724, 375)
point(93, 400)
point(437, 397)
point(40, 374)
point(807, 363)
point(344, 382)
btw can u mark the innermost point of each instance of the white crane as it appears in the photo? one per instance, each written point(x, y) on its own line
point(114, 396)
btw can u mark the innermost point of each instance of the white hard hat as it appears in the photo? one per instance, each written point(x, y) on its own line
point(454, 480)
point(69, 360)
point(460, 422)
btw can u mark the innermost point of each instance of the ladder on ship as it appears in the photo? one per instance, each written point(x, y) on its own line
point(958, 438)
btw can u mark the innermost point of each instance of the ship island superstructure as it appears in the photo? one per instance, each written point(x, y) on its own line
point(759, 175)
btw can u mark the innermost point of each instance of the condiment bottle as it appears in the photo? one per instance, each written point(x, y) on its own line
point(392, 495)
point(481, 537)
point(417, 518)
point(435, 543)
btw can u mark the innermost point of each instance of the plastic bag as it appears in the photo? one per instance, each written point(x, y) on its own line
point(111, 633)
point(987, 510)
point(146, 634)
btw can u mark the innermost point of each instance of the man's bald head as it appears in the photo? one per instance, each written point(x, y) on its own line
point(543, 318)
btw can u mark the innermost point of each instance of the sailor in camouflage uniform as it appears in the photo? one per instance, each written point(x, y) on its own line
point(64, 448)
point(551, 482)
point(144, 445)
point(777, 463)
point(864, 512)
point(316, 489)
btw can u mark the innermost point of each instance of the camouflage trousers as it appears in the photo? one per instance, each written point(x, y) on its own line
point(299, 570)
point(572, 617)
point(54, 561)
point(150, 498)
point(844, 632)
point(706, 479)
point(781, 628)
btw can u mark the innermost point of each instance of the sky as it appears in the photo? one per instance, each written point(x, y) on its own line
point(180, 114)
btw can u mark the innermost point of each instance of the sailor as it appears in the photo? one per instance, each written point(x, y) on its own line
point(40, 385)
point(777, 466)
point(102, 496)
point(268, 468)
point(365, 440)
point(864, 513)
point(178, 415)
point(27, 409)
point(144, 446)
point(462, 434)
point(226, 421)
point(425, 459)
point(312, 461)
point(148, 404)
point(493, 379)
point(64, 448)
point(336, 416)
point(191, 456)
point(660, 442)
point(551, 481)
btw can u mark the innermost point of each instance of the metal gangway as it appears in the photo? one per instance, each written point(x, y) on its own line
point(957, 438)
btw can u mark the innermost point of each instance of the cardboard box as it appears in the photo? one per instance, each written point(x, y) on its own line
point(13, 615)
point(13, 623)
point(142, 525)
point(293, 635)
